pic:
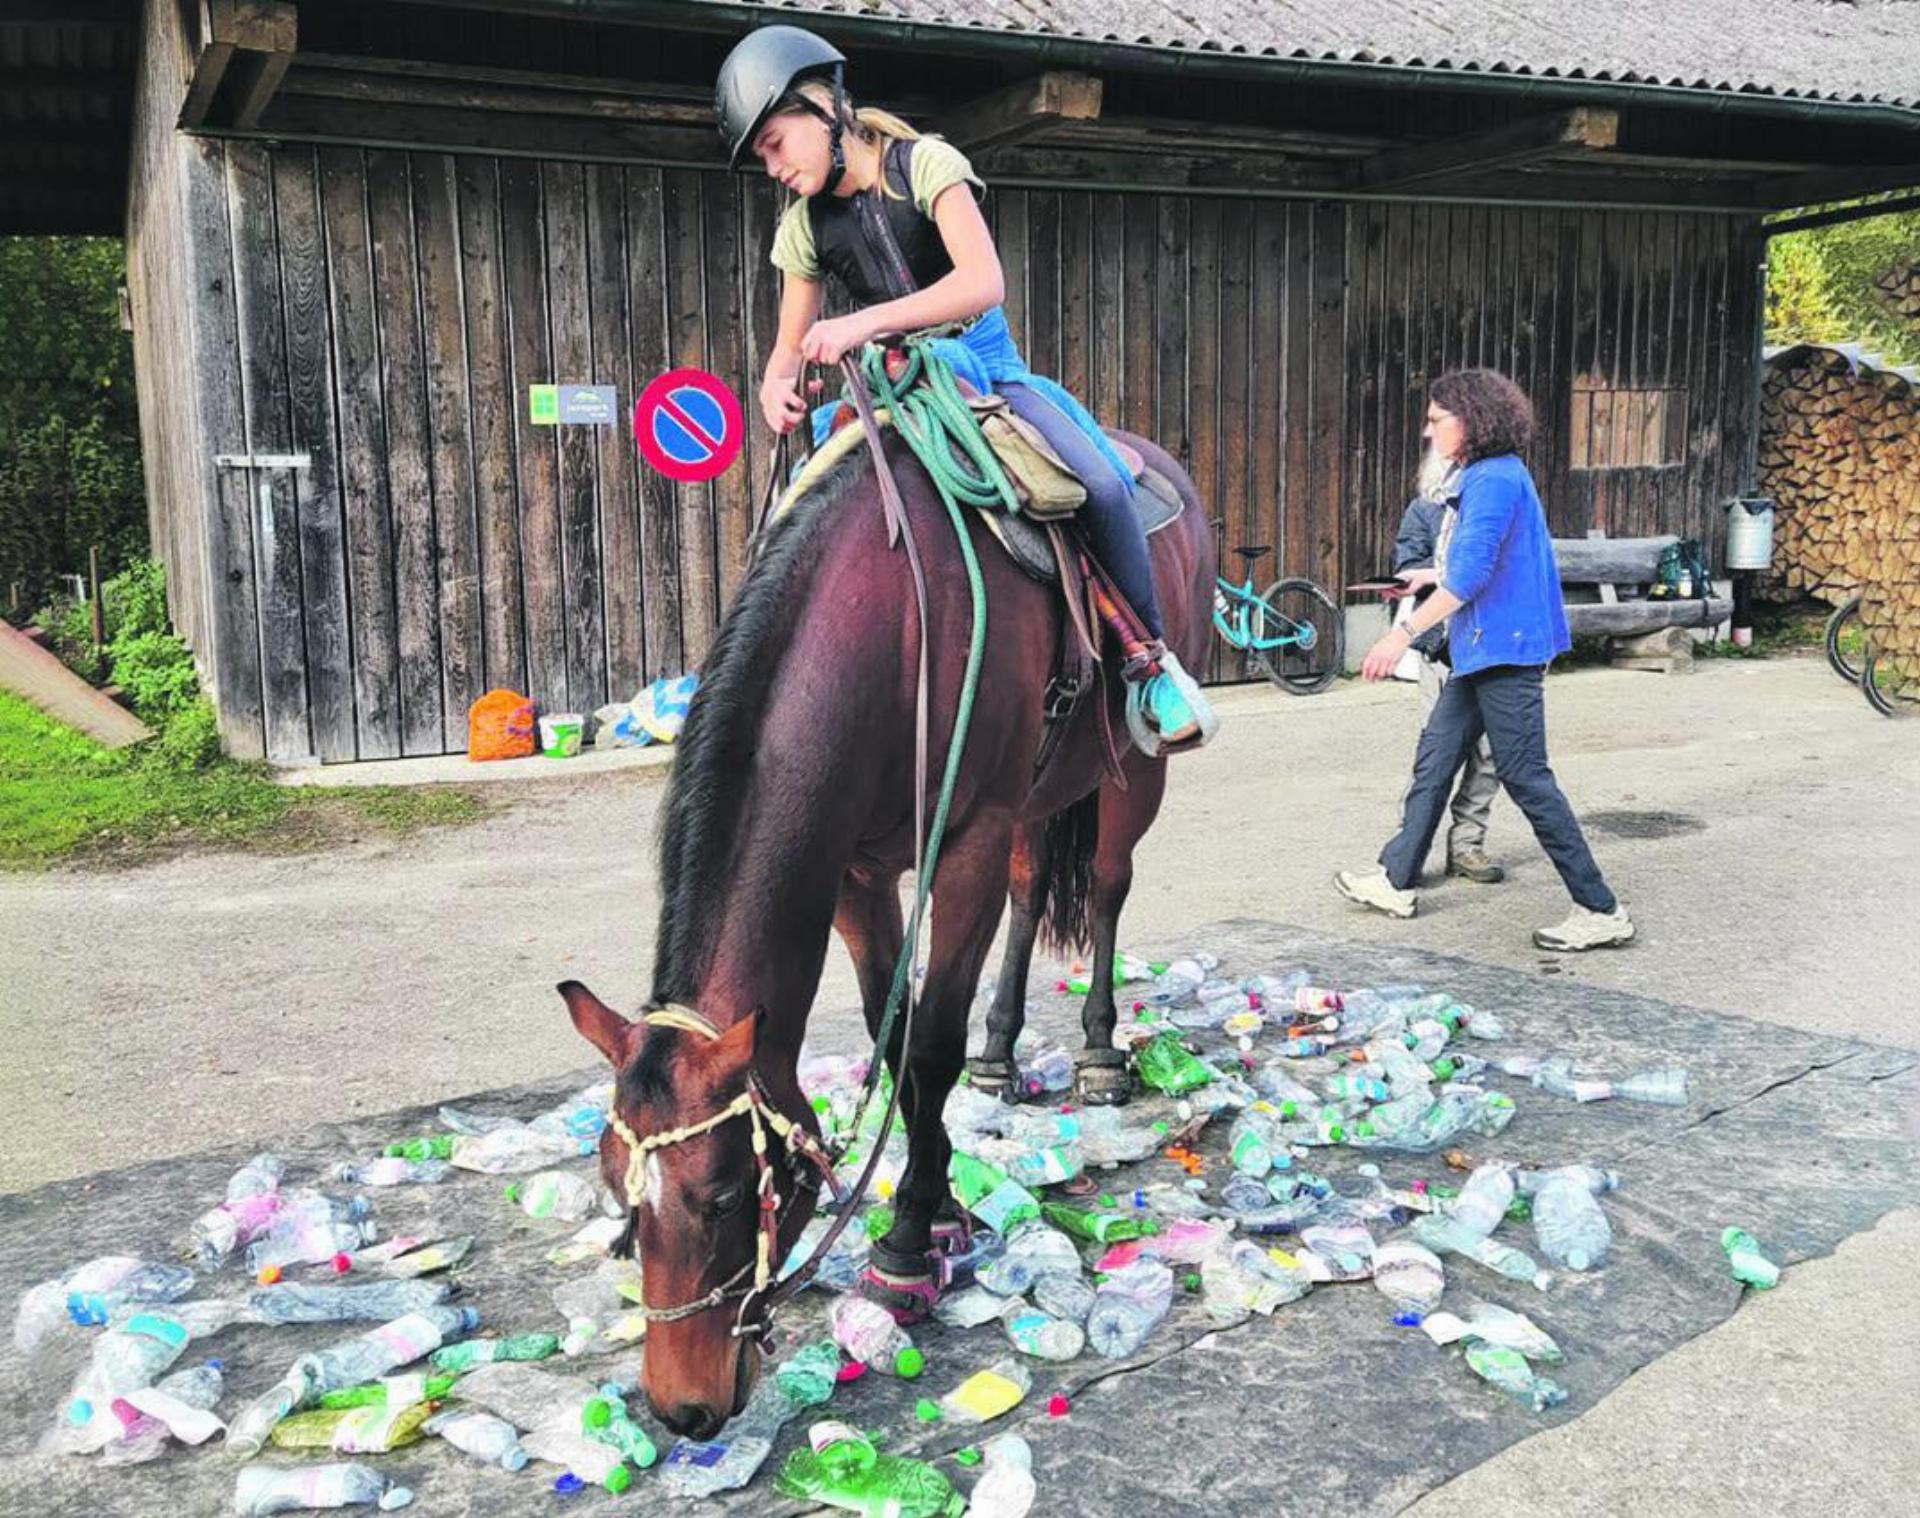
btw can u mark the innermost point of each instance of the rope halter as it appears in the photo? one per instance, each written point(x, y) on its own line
point(756, 1106)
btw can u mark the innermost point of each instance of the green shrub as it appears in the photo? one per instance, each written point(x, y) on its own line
point(156, 672)
point(136, 600)
point(191, 738)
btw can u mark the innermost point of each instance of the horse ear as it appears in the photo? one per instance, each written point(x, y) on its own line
point(598, 1023)
point(734, 1052)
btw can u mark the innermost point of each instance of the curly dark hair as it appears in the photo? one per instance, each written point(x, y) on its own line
point(1495, 411)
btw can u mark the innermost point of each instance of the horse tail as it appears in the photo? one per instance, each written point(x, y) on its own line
point(1073, 834)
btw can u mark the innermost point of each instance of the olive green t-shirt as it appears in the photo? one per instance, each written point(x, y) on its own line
point(936, 166)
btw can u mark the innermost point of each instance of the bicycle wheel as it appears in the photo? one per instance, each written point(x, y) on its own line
point(1316, 633)
point(1844, 641)
point(1888, 691)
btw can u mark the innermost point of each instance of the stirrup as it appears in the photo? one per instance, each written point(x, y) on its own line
point(1101, 1078)
point(1146, 737)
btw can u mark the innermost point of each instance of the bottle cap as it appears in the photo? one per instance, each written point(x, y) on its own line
point(927, 1410)
point(566, 1483)
point(597, 1413)
point(1058, 1406)
point(967, 1454)
point(512, 1192)
point(269, 1275)
point(342, 1263)
point(619, 1479)
point(910, 1362)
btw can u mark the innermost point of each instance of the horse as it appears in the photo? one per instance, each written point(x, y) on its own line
point(791, 814)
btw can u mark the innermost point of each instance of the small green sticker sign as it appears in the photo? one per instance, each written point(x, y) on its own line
point(543, 405)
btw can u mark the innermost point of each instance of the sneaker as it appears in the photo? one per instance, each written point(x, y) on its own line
point(1473, 864)
point(1585, 930)
point(1371, 888)
point(1172, 717)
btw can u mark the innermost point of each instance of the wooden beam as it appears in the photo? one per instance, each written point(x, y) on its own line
point(1841, 214)
point(573, 137)
point(262, 35)
point(1584, 129)
point(1823, 186)
point(1021, 110)
point(330, 82)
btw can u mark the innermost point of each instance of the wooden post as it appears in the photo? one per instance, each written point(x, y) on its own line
point(93, 597)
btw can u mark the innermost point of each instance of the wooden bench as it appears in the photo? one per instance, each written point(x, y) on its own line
point(1605, 584)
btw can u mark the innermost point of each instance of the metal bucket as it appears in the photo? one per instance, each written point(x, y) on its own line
point(1750, 532)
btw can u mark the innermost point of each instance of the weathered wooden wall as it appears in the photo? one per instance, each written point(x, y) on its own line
point(387, 310)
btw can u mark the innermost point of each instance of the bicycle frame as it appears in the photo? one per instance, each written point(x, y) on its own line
point(1239, 630)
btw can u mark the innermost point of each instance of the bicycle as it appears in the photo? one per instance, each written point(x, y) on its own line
point(1294, 634)
point(1887, 684)
point(1845, 640)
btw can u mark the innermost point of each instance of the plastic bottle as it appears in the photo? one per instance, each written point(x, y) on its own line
point(1750, 1266)
point(1006, 1488)
point(1099, 1227)
point(1596, 1180)
point(1243, 1278)
point(1443, 1235)
point(149, 1282)
point(347, 1363)
point(1348, 1086)
point(1664, 1088)
point(990, 1194)
point(580, 1117)
point(1033, 1250)
point(1556, 1077)
point(1064, 1296)
point(392, 1170)
point(1568, 1224)
point(555, 1194)
point(310, 1233)
point(807, 1377)
point(218, 1234)
point(1131, 1303)
point(125, 1358)
point(987, 1394)
point(525, 1395)
point(263, 1489)
point(442, 1255)
point(179, 1407)
point(1508, 1370)
point(1053, 1165)
point(893, 1485)
point(468, 1353)
point(1484, 1200)
point(705, 1468)
point(867, 1333)
point(481, 1435)
point(605, 1418)
point(589, 1459)
point(376, 1302)
point(1040, 1334)
point(511, 1150)
point(395, 1391)
point(1492, 1324)
point(1251, 1142)
point(261, 1174)
point(353, 1430)
point(432, 1146)
point(1276, 991)
point(43, 1308)
point(1176, 985)
point(1410, 1276)
point(1166, 1065)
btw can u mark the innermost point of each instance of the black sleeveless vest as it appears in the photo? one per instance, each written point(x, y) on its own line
point(879, 248)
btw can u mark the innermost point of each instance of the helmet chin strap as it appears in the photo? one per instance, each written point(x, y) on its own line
point(836, 131)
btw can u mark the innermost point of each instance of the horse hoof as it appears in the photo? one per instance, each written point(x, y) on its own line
point(1101, 1078)
point(901, 1283)
point(996, 1077)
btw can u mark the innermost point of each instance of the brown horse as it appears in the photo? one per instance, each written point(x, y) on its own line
point(791, 814)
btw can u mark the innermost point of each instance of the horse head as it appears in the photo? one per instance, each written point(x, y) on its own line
point(687, 1104)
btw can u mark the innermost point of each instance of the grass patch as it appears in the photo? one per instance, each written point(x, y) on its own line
point(63, 796)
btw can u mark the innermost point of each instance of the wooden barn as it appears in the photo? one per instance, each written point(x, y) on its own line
point(359, 230)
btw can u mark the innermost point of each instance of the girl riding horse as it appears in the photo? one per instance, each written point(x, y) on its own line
point(893, 216)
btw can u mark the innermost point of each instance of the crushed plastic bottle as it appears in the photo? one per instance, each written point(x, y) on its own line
point(393, 1391)
point(704, 1468)
point(1040, 1334)
point(1484, 1200)
point(378, 1302)
point(555, 1194)
point(217, 1235)
point(807, 1377)
point(1243, 1279)
point(526, 1395)
point(264, 1489)
point(594, 1463)
point(353, 1430)
point(1411, 1277)
point(1101, 1226)
point(443, 1254)
point(431, 1146)
point(464, 1356)
point(125, 1358)
point(1033, 1250)
point(1490, 1323)
point(178, 1407)
point(1443, 1234)
point(261, 1174)
point(991, 1195)
point(43, 1308)
point(867, 1332)
point(347, 1363)
point(148, 1282)
point(1664, 1088)
point(605, 1419)
point(1167, 1066)
point(1568, 1224)
point(892, 1485)
point(1750, 1265)
point(1508, 1371)
point(1131, 1303)
point(969, 1308)
point(1251, 1143)
point(1006, 1487)
point(511, 1149)
point(391, 1170)
point(1064, 1296)
point(989, 1393)
point(481, 1435)
point(310, 1230)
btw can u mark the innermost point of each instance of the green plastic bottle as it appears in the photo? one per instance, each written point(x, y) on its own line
point(468, 1353)
point(1165, 1065)
point(892, 1485)
point(1098, 1227)
point(990, 1194)
point(434, 1146)
point(369, 1430)
point(374, 1393)
point(605, 1420)
point(807, 1377)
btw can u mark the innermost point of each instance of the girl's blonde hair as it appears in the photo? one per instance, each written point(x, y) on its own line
point(869, 123)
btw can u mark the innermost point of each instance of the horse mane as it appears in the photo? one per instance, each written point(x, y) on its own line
point(714, 757)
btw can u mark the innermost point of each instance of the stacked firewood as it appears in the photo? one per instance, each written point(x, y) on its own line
point(1840, 456)
point(1900, 290)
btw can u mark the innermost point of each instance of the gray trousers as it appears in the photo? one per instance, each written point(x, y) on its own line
point(1479, 781)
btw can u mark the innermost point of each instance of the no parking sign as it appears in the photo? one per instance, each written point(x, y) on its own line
point(688, 425)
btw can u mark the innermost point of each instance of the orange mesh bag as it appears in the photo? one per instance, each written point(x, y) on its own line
point(500, 726)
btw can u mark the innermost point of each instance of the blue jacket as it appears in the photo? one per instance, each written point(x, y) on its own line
point(1500, 562)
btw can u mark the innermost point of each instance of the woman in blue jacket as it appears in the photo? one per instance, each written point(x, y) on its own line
point(1499, 593)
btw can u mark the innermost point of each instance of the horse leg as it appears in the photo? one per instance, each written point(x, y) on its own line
point(867, 917)
point(1100, 1074)
point(966, 910)
point(994, 1070)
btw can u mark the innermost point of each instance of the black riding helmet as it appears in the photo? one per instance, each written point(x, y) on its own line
point(761, 72)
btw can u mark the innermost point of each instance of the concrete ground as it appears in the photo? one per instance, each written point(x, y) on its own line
point(1758, 819)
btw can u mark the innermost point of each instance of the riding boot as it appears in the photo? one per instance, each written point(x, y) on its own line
point(1168, 697)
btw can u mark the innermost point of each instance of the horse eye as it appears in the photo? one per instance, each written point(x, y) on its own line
point(725, 1203)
